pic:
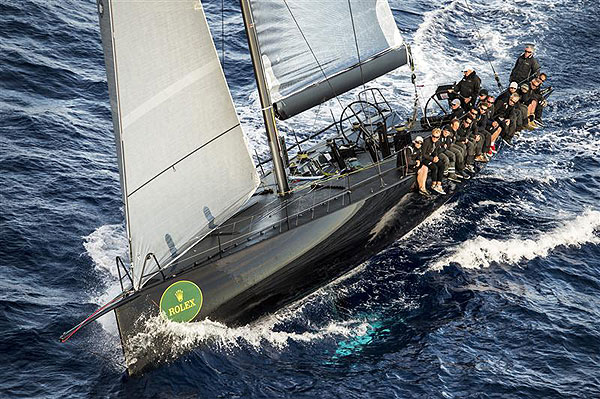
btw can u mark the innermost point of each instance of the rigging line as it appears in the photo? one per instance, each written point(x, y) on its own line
point(484, 46)
point(313, 54)
point(223, 35)
point(413, 77)
point(362, 78)
point(316, 116)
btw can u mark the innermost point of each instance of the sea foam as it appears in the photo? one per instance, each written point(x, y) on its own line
point(481, 252)
point(103, 245)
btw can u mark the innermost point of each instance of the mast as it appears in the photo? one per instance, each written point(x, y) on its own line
point(265, 100)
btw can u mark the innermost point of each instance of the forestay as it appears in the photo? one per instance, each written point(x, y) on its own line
point(183, 158)
point(311, 54)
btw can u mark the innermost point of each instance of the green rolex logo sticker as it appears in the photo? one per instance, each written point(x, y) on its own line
point(182, 301)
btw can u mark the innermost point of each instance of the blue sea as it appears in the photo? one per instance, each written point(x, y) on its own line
point(496, 295)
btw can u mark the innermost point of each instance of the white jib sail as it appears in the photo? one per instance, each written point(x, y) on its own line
point(183, 157)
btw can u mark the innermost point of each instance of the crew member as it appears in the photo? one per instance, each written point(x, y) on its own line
point(510, 117)
point(526, 67)
point(482, 149)
point(457, 111)
point(502, 99)
point(461, 147)
point(468, 88)
point(483, 94)
point(490, 104)
point(415, 164)
point(534, 108)
point(464, 139)
point(451, 155)
point(432, 161)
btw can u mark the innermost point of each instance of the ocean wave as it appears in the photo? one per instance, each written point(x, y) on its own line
point(482, 252)
point(103, 245)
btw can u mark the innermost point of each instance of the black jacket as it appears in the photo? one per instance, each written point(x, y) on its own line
point(458, 113)
point(482, 122)
point(413, 154)
point(463, 132)
point(429, 150)
point(469, 86)
point(490, 113)
point(500, 107)
point(525, 97)
point(511, 112)
point(502, 97)
point(446, 142)
point(524, 69)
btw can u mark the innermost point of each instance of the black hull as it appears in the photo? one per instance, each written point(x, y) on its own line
point(268, 274)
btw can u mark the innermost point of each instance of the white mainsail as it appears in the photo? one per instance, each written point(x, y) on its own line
point(313, 50)
point(183, 157)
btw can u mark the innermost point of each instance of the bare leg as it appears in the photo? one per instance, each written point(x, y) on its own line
point(496, 134)
point(422, 177)
point(531, 107)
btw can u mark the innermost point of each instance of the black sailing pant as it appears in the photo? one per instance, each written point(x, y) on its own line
point(538, 111)
point(483, 145)
point(436, 170)
point(468, 150)
point(460, 155)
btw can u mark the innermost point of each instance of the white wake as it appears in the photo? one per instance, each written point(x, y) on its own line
point(481, 252)
point(103, 245)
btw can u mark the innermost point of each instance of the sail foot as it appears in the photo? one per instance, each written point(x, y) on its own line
point(340, 83)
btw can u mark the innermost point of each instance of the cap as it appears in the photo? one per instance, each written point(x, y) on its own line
point(456, 101)
point(514, 85)
point(525, 87)
point(418, 139)
point(483, 92)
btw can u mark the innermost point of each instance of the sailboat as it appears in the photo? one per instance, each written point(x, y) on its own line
point(211, 237)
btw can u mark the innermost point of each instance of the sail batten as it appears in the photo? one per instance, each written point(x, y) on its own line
point(183, 158)
point(310, 49)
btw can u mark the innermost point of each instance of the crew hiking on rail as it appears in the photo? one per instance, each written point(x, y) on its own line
point(477, 121)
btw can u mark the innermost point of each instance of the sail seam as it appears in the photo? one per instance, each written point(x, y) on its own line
point(183, 158)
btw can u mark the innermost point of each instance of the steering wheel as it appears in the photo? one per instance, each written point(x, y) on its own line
point(364, 116)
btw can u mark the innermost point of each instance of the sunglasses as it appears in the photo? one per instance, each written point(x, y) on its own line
point(528, 52)
point(435, 137)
